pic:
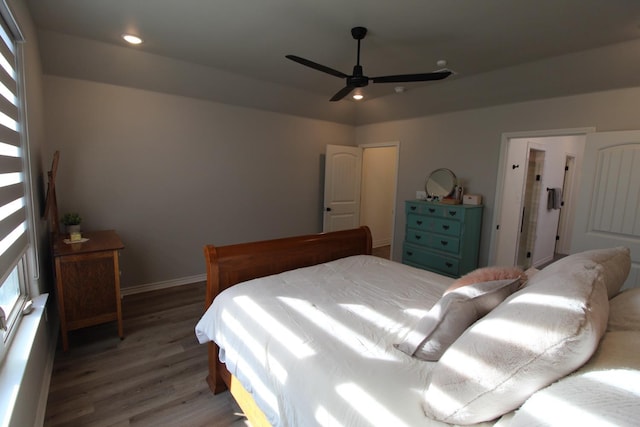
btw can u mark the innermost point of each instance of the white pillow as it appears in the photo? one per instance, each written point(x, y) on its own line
point(624, 311)
point(453, 313)
point(604, 391)
point(616, 262)
point(538, 335)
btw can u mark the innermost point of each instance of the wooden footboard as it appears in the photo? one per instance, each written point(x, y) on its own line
point(232, 264)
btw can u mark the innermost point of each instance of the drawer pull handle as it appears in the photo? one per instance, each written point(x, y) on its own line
point(409, 253)
point(418, 237)
point(419, 222)
point(413, 208)
point(445, 227)
point(431, 210)
point(448, 264)
point(444, 242)
point(453, 213)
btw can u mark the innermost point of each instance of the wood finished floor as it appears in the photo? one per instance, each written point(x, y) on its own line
point(382, 252)
point(155, 376)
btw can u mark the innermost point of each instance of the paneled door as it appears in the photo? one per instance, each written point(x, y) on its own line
point(342, 181)
point(608, 209)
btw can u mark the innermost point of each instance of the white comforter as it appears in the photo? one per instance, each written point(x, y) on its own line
point(314, 346)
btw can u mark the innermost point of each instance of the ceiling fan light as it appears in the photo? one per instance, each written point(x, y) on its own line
point(358, 96)
point(131, 39)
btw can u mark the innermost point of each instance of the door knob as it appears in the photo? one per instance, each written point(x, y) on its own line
point(328, 209)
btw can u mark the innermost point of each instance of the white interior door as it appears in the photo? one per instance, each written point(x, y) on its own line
point(342, 180)
point(608, 207)
point(563, 246)
point(511, 209)
point(547, 219)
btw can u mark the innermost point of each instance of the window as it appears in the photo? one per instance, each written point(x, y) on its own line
point(14, 223)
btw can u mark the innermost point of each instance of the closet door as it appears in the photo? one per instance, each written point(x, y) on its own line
point(608, 208)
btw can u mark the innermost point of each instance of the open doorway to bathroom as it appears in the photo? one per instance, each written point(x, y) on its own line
point(530, 207)
point(529, 230)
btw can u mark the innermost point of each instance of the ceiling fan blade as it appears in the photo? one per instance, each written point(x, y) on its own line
point(405, 78)
point(317, 66)
point(342, 93)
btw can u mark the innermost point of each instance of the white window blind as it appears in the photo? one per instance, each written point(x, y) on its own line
point(14, 193)
point(13, 213)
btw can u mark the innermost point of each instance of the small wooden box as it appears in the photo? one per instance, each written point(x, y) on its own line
point(472, 199)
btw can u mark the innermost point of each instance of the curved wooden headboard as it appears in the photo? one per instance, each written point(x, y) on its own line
point(232, 264)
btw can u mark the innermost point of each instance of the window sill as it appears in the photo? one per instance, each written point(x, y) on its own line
point(14, 369)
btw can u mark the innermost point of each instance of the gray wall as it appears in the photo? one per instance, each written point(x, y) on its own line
point(172, 174)
point(468, 142)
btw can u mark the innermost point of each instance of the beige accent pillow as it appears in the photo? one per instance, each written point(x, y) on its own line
point(616, 262)
point(452, 315)
point(487, 274)
point(624, 311)
point(539, 334)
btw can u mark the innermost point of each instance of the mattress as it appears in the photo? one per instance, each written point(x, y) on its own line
point(314, 346)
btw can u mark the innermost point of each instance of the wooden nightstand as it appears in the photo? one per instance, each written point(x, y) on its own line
point(88, 281)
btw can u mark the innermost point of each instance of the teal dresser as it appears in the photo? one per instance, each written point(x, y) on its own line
point(442, 238)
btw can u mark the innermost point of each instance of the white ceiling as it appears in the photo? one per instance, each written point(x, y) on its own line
point(250, 38)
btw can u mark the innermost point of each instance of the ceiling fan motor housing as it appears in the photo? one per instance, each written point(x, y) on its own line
point(357, 79)
point(358, 33)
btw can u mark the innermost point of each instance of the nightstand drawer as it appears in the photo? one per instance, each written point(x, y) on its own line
point(418, 257)
point(433, 225)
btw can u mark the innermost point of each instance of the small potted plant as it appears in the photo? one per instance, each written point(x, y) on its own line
point(72, 222)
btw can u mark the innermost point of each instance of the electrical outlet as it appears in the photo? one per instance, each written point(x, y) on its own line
point(421, 195)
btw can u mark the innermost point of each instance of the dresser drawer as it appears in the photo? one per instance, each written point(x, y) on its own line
point(441, 211)
point(425, 209)
point(453, 212)
point(442, 243)
point(421, 258)
point(433, 225)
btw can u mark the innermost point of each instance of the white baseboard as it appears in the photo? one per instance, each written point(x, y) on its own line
point(138, 289)
point(378, 243)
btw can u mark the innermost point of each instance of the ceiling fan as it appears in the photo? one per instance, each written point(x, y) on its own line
point(358, 79)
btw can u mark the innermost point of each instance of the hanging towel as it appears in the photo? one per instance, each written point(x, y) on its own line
point(554, 198)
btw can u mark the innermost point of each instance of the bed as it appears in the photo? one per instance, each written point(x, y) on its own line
point(305, 331)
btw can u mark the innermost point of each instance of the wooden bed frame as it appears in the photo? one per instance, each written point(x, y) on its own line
point(230, 265)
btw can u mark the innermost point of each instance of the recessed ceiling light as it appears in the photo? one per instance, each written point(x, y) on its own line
point(130, 38)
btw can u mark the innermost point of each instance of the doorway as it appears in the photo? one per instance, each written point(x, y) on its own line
point(364, 180)
point(377, 210)
point(531, 203)
point(526, 226)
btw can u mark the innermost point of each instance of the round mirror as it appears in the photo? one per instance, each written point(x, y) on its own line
point(440, 183)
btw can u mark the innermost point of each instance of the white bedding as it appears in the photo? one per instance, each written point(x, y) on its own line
point(314, 346)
